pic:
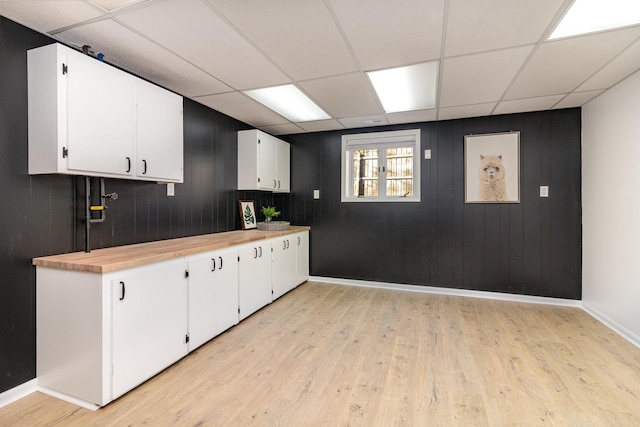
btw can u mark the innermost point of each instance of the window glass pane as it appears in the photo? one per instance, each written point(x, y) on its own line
point(400, 171)
point(365, 173)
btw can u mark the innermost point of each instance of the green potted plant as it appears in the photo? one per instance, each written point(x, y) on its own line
point(269, 213)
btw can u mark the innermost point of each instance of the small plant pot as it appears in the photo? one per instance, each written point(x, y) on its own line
point(273, 225)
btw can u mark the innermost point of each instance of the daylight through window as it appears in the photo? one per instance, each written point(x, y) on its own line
point(381, 166)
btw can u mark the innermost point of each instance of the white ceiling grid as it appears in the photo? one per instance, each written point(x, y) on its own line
point(493, 54)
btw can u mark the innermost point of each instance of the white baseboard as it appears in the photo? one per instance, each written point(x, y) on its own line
point(451, 291)
point(70, 399)
point(613, 325)
point(18, 392)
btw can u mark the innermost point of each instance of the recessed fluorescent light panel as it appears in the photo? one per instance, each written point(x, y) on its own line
point(588, 16)
point(406, 88)
point(290, 102)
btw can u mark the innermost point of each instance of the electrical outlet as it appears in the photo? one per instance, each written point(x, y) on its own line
point(171, 191)
point(544, 191)
point(316, 194)
point(427, 154)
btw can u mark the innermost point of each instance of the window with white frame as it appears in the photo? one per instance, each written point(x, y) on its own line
point(381, 166)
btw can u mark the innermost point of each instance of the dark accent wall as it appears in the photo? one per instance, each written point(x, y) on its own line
point(530, 248)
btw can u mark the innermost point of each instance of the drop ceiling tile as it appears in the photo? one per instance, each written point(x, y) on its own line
point(482, 25)
point(561, 66)
point(345, 95)
point(284, 129)
point(577, 99)
point(192, 30)
point(321, 125)
point(300, 36)
point(384, 34)
point(367, 121)
point(620, 67)
point(243, 108)
point(413, 116)
point(132, 52)
point(530, 104)
point(476, 110)
point(46, 16)
point(480, 78)
point(115, 4)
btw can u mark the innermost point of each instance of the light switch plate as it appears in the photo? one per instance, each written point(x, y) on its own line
point(427, 154)
point(544, 191)
point(316, 194)
point(171, 190)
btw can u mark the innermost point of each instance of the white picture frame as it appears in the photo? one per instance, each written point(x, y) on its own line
point(492, 168)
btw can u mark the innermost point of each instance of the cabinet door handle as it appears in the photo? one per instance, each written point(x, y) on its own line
point(260, 251)
point(122, 290)
point(220, 258)
point(288, 244)
point(278, 183)
point(213, 264)
point(298, 240)
point(274, 184)
point(144, 170)
point(255, 252)
point(128, 164)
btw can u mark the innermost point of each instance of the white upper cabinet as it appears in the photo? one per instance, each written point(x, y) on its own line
point(94, 142)
point(88, 118)
point(263, 162)
point(159, 126)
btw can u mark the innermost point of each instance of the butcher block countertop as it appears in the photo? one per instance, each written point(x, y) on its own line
point(123, 257)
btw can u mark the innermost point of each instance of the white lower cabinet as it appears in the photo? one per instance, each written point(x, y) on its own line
point(283, 273)
point(213, 294)
point(149, 318)
point(99, 335)
point(254, 277)
point(302, 256)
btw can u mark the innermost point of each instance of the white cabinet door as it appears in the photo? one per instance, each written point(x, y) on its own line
point(267, 179)
point(302, 256)
point(226, 303)
point(159, 133)
point(283, 167)
point(213, 295)
point(149, 322)
point(284, 265)
point(254, 277)
point(100, 117)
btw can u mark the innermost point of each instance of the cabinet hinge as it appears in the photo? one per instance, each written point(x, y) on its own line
point(65, 69)
point(65, 152)
point(186, 274)
point(186, 339)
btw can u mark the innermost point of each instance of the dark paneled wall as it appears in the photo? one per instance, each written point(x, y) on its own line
point(532, 248)
point(37, 212)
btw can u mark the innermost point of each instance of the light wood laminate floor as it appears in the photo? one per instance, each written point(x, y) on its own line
point(331, 355)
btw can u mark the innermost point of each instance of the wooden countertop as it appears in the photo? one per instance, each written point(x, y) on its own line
point(122, 257)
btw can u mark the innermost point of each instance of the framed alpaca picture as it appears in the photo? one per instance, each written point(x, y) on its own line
point(492, 168)
point(247, 214)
